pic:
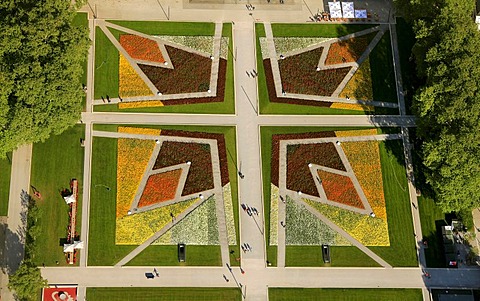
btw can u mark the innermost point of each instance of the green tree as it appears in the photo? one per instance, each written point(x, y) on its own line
point(41, 53)
point(27, 281)
point(448, 104)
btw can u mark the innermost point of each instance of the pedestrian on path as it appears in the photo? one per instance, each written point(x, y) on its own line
point(255, 72)
point(225, 277)
point(249, 247)
point(229, 267)
point(283, 224)
point(414, 205)
point(244, 207)
point(108, 99)
point(243, 249)
point(252, 74)
point(255, 210)
point(248, 73)
point(103, 99)
point(242, 271)
point(282, 199)
point(249, 211)
point(156, 272)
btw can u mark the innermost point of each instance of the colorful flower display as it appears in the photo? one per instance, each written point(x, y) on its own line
point(348, 51)
point(160, 187)
point(130, 83)
point(141, 48)
point(140, 104)
point(229, 216)
point(339, 189)
point(274, 196)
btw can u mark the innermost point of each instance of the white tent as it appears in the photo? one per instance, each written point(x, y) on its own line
point(361, 13)
point(335, 9)
point(69, 199)
point(348, 10)
point(68, 248)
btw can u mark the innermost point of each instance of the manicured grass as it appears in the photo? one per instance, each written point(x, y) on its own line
point(106, 76)
point(339, 294)
point(102, 248)
point(402, 249)
point(81, 20)
point(54, 163)
point(431, 218)
point(311, 256)
point(5, 172)
point(164, 294)
point(316, 30)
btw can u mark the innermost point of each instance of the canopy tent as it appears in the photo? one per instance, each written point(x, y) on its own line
point(348, 10)
point(68, 248)
point(361, 13)
point(70, 199)
point(335, 9)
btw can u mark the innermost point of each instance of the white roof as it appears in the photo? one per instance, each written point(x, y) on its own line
point(348, 10)
point(69, 199)
point(68, 248)
point(334, 6)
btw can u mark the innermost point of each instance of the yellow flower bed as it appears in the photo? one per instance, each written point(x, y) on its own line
point(130, 83)
point(137, 228)
point(132, 160)
point(351, 106)
point(360, 85)
point(367, 132)
point(140, 104)
point(369, 231)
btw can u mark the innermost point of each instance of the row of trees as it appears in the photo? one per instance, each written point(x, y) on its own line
point(447, 104)
point(41, 56)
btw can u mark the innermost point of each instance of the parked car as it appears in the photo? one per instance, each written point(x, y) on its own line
point(149, 275)
point(181, 253)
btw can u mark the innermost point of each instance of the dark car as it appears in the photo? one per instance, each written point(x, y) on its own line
point(181, 252)
point(149, 275)
point(326, 253)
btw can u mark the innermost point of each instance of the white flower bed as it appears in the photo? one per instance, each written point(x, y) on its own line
point(274, 196)
point(284, 45)
point(304, 228)
point(200, 227)
point(224, 47)
point(264, 48)
point(200, 43)
point(229, 216)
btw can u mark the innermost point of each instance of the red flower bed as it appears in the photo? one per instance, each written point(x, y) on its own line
point(299, 177)
point(191, 73)
point(299, 74)
point(276, 147)
point(160, 188)
point(340, 189)
point(141, 48)
point(272, 95)
point(222, 151)
point(200, 175)
point(349, 50)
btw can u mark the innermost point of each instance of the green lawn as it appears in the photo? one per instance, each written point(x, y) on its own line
point(402, 249)
point(339, 294)
point(164, 294)
point(102, 248)
point(106, 70)
point(54, 163)
point(383, 80)
point(5, 171)
point(431, 217)
point(81, 20)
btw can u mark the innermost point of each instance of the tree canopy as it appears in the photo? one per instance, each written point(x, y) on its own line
point(41, 55)
point(448, 104)
point(27, 281)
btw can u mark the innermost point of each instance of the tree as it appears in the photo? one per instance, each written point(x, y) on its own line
point(41, 55)
point(448, 104)
point(27, 281)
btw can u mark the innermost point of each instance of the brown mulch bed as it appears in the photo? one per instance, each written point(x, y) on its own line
point(276, 147)
point(200, 175)
point(349, 50)
point(299, 74)
point(272, 95)
point(191, 73)
point(222, 150)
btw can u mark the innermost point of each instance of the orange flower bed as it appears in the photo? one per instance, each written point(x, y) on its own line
point(340, 189)
point(160, 187)
point(348, 51)
point(141, 48)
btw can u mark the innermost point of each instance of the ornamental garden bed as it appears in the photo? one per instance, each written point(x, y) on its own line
point(187, 50)
point(301, 52)
point(188, 217)
point(378, 169)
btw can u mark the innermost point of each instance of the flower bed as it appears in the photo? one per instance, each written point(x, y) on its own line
point(191, 73)
point(137, 228)
point(200, 43)
point(200, 175)
point(160, 187)
point(340, 189)
point(299, 177)
point(272, 95)
point(274, 196)
point(360, 85)
point(299, 74)
point(348, 51)
point(229, 215)
point(369, 231)
point(130, 84)
point(141, 48)
point(222, 150)
point(200, 227)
